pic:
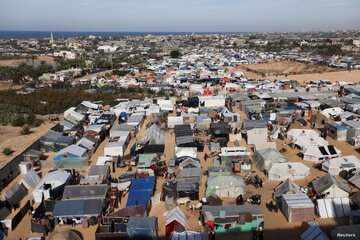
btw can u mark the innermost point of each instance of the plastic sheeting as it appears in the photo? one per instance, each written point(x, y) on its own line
point(333, 208)
point(225, 186)
point(31, 179)
point(142, 228)
point(265, 158)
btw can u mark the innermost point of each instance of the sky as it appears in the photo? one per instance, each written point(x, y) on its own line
point(179, 15)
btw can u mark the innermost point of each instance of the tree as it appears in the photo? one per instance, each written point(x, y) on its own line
point(175, 54)
point(7, 151)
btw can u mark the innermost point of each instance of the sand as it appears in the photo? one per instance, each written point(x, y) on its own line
point(11, 138)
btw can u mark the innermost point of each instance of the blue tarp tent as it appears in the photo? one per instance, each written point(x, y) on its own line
point(141, 190)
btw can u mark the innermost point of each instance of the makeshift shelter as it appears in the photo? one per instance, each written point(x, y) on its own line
point(232, 219)
point(188, 187)
point(313, 233)
point(225, 185)
point(14, 195)
point(71, 152)
point(297, 207)
point(331, 187)
point(154, 135)
point(184, 152)
point(265, 158)
point(306, 142)
point(336, 131)
point(257, 135)
point(336, 165)
point(333, 208)
point(189, 163)
point(51, 185)
point(262, 145)
point(54, 141)
point(32, 155)
point(296, 133)
point(173, 121)
point(116, 146)
point(287, 187)
point(30, 180)
point(193, 173)
point(80, 208)
point(127, 212)
point(142, 228)
point(141, 190)
point(320, 153)
point(288, 170)
point(184, 136)
point(85, 191)
point(175, 221)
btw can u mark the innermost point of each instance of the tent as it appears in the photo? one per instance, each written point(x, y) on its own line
point(85, 191)
point(313, 233)
point(79, 208)
point(296, 133)
point(297, 207)
point(304, 142)
point(154, 135)
point(286, 187)
point(189, 163)
point(51, 184)
point(331, 187)
point(288, 170)
point(333, 208)
point(175, 221)
point(142, 228)
point(225, 186)
point(141, 190)
point(72, 151)
point(265, 158)
point(319, 153)
point(336, 165)
point(30, 180)
point(14, 195)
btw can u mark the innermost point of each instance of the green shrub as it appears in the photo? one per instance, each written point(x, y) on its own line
point(25, 130)
point(19, 121)
point(7, 151)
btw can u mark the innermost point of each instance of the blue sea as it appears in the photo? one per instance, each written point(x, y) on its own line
point(46, 34)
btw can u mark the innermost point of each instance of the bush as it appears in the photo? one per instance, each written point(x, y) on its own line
point(25, 130)
point(19, 121)
point(7, 151)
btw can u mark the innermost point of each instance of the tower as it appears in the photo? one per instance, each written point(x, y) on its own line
point(51, 38)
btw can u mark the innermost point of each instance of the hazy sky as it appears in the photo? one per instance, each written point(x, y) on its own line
point(179, 15)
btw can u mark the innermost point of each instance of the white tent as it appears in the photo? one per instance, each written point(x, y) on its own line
point(331, 112)
point(283, 171)
point(55, 180)
point(306, 141)
point(336, 165)
point(186, 151)
point(172, 121)
point(295, 133)
point(30, 180)
point(165, 105)
point(315, 153)
point(333, 208)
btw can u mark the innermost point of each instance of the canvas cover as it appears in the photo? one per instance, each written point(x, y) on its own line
point(289, 170)
point(333, 208)
point(225, 186)
point(265, 158)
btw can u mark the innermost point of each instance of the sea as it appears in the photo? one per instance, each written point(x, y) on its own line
point(46, 34)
